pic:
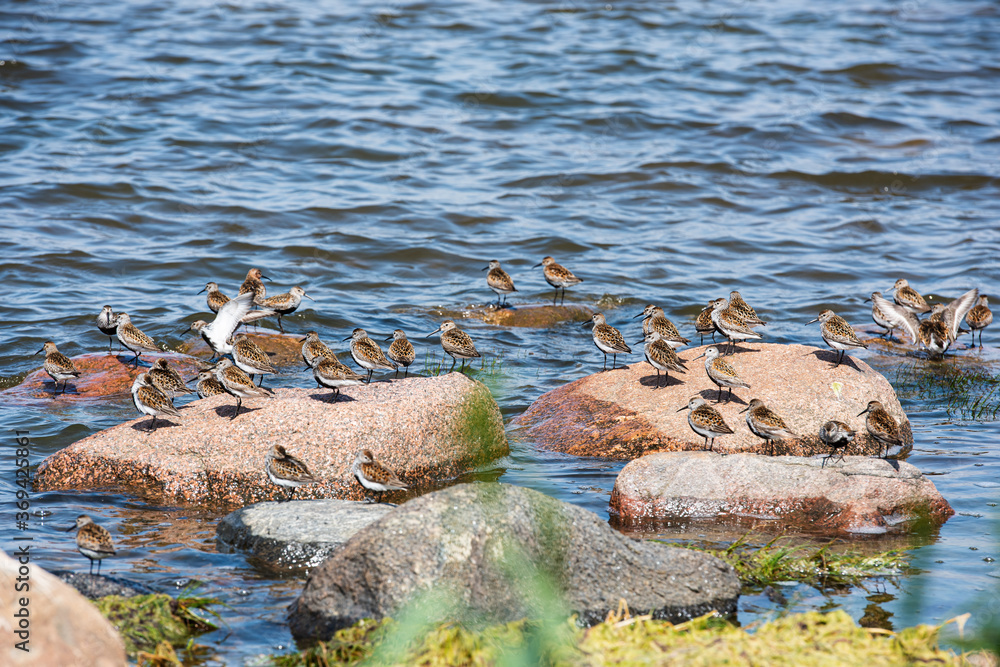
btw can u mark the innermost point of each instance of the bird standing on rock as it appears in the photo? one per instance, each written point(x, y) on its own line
point(367, 353)
point(401, 351)
point(92, 541)
point(837, 436)
point(837, 333)
point(662, 357)
point(151, 401)
point(766, 423)
point(498, 281)
point(287, 471)
point(58, 366)
point(882, 427)
point(374, 476)
point(706, 421)
point(721, 372)
point(608, 340)
point(456, 343)
point(108, 326)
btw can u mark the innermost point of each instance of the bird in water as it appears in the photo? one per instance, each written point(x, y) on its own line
point(285, 304)
point(58, 366)
point(979, 318)
point(92, 541)
point(499, 281)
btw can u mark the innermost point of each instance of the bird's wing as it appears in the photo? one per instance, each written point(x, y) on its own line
point(230, 316)
point(899, 317)
point(956, 311)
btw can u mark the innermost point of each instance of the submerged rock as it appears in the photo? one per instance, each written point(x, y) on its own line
point(94, 586)
point(621, 414)
point(426, 429)
point(857, 495)
point(295, 535)
point(533, 315)
point(282, 349)
point(493, 553)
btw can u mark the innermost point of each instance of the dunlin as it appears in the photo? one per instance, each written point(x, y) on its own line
point(728, 323)
point(608, 340)
point(662, 357)
point(167, 380)
point(208, 385)
point(721, 372)
point(285, 304)
point(59, 367)
point(367, 353)
point(252, 360)
point(106, 323)
point(499, 281)
point(130, 336)
point(252, 284)
point(837, 436)
point(655, 320)
point(332, 374)
point(766, 423)
point(882, 426)
point(287, 471)
point(237, 383)
point(456, 343)
point(558, 276)
point(934, 335)
point(704, 325)
point(373, 475)
point(837, 333)
point(218, 335)
point(401, 351)
point(897, 317)
point(956, 311)
point(215, 299)
point(909, 298)
point(979, 318)
point(880, 317)
point(314, 350)
point(706, 421)
point(151, 401)
point(744, 310)
point(92, 540)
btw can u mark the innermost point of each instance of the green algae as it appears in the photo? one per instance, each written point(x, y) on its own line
point(146, 621)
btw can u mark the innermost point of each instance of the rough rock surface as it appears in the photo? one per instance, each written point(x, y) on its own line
point(532, 315)
point(282, 349)
point(93, 586)
point(65, 628)
point(621, 414)
point(426, 429)
point(858, 495)
point(488, 552)
point(101, 375)
point(295, 535)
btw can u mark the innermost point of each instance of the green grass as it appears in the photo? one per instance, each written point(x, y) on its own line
point(966, 393)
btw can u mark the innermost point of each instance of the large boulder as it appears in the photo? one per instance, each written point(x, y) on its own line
point(494, 553)
point(808, 495)
point(426, 429)
point(621, 414)
point(62, 627)
point(295, 535)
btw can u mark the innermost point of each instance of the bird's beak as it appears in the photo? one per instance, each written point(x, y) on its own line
point(683, 409)
point(537, 265)
point(264, 277)
point(433, 332)
point(744, 409)
point(389, 337)
point(867, 300)
point(486, 268)
point(811, 321)
point(308, 297)
point(66, 530)
point(186, 330)
point(302, 340)
point(639, 315)
point(349, 338)
point(641, 340)
point(39, 352)
point(699, 356)
point(863, 411)
point(588, 323)
point(203, 289)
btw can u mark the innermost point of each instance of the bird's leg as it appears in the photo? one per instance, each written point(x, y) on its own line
point(336, 394)
point(719, 399)
point(152, 425)
point(239, 402)
point(406, 372)
point(605, 361)
point(261, 383)
point(91, 566)
point(370, 372)
point(614, 361)
point(136, 360)
point(290, 493)
point(453, 360)
point(555, 296)
point(563, 300)
point(281, 328)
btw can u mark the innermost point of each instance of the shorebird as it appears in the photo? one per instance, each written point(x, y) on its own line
point(882, 427)
point(215, 299)
point(880, 318)
point(252, 360)
point(766, 423)
point(237, 383)
point(896, 317)
point(728, 323)
point(130, 336)
point(934, 335)
point(252, 285)
point(706, 421)
point(608, 340)
point(374, 476)
point(956, 311)
point(909, 298)
point(837, 436)
point(721, 372)
point(106, 323)
point(837, 333)
point(498, 281)
point(661, 356)
point(151, 401)
point(979, 318)
point(367, 353)
point(655, 320)
point(314, 350)
point(401, 351)
point(744, 310)
point(167, 380)
point(58, 366)
point(332, 374)
point(287, 471)
point(703, 324)
point(218, 335)
point(558, 276)
point(285, 304)
point(208, 385)
point(457, 343)
point(92, 541)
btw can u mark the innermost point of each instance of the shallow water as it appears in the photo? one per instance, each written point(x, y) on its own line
point(381, 154)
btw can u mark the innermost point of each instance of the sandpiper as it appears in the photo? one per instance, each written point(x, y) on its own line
point(728, 323)
point(897, 317)
point(881, 426)
point(880, 318)
point(218, 334)
point(214, 298)
point(837, 333)
point(237, 383)
point(956, 311)
point(151, 401)
point(744, 310)
point(367, 353)
point(130, 336)
point(934, 335)
point(909, 298)
point(655, 320)
point(208, 385)
point(979, 318)
point(662, 357)
point(499, 281)
point(456, 343)
point(837, 436)
point(558, 276)
point(252, 285)
point(608, 340)
point(401, 351)
point(721, 372)
point(332, 374)
point(167, 380)
point(766, 423)
point(106, 323)
point(373, 475)
point(703, 324)
point(251, 359)
point(92, 540)
point(706, 421)
point(287, 471)
point(58, 366)
point(285, 304)
point(314, 350)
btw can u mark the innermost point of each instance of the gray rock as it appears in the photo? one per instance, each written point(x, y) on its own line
point(488, 553)
point(93, 586)
point(295, 535)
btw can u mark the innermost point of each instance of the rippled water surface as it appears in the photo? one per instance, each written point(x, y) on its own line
point(381, 153)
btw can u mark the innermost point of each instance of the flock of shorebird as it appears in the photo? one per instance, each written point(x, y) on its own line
point(733, 318)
